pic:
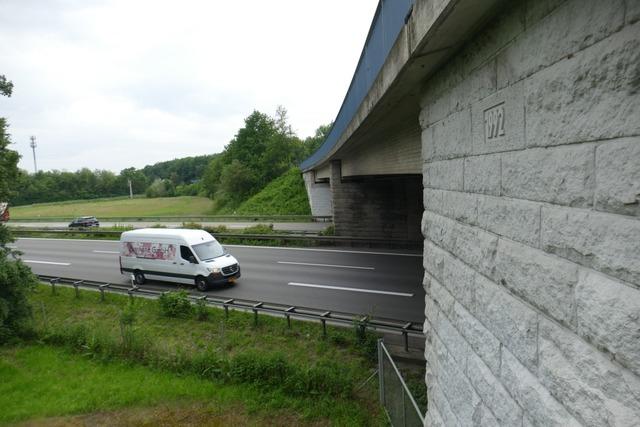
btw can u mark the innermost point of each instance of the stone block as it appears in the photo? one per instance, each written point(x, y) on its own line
point(590, 96)
point(451, 136)
point(633, 11)
point(440, 402)
point(433, 260)
point(618, 176)
point(605, 242)
point(428, 144)
point(461, 396)
point(545, 281)
point(538, 9)
point(492, 393)
point(456, 277)
point(609, 317)
point(570, 28)
point(540, 406)
point(445, 174)
point(482, 417)
point(585, 381)
point(498, 121)
point(456, 346)
point(510, 320)
point(476, 84)
point(460, 206)
point(482, 174)
point(442, 297)
point(516, 219)
point(481, 341)
point(472, 245)
point(432, 200)
point(560, 175)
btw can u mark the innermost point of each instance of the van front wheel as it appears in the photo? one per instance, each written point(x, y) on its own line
point(201, 284)
point(138, 277)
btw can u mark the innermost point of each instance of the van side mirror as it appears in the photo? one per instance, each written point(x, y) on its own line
point(192, 260)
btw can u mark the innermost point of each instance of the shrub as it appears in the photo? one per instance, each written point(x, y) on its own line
point(202, 313)
point(175, 304)
point(192, 225)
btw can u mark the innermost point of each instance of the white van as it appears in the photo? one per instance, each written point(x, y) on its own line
point(176, 255)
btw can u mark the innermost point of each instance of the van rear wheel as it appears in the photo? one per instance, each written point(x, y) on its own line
point(201, 284)
point(138, 277)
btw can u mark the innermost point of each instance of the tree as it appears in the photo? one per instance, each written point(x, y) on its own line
point(312, 143)
point(16, 279)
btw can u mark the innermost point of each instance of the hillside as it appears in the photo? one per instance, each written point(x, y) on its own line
point(284, 195)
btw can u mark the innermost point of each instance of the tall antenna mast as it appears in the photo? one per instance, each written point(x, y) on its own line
point(33, 147)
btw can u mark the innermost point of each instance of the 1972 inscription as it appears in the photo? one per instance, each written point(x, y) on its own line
point(494, 122)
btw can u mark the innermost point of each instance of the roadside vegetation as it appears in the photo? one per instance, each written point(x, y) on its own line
point(192, 352)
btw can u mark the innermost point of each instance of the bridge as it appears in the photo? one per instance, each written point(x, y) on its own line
point(505, 136)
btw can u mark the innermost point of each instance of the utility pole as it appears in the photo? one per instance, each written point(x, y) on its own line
point(33, 147)
point(130, 190)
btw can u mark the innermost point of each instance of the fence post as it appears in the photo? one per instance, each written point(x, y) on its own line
point(381, 372)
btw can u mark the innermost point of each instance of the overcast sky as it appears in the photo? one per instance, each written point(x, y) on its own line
point(109, 84)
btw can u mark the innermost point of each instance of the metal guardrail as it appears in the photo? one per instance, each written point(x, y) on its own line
point(344, 240)
point(396, 398)
point(361, 322)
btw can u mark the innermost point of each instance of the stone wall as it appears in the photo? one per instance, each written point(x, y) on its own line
point(319, 193)
point(531, 149)
point(376, 207)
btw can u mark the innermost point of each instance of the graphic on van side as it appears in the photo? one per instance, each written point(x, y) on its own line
point(149, 250)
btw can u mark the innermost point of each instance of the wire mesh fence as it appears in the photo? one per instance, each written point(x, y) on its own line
point(400, 406)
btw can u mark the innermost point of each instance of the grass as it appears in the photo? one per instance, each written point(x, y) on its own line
point(295, 370)
point(117, 207)
point(41, 381)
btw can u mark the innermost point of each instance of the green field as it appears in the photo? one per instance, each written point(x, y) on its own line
point(92, 358)
point(117, 207)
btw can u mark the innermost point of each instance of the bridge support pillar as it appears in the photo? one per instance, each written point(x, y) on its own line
point(388, 206)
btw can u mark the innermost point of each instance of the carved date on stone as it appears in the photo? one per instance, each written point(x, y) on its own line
point(494, 122)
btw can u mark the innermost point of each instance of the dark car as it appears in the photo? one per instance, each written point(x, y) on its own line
point(85, 221)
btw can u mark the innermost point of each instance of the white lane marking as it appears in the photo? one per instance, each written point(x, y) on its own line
point(322, 250)
point(343, 288)
point(31, 261)
point(106, 252)
point(115, 242)
point(326, 265)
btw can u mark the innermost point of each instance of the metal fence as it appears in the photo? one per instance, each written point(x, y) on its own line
point(399, 405)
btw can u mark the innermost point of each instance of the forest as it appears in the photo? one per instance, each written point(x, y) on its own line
point(262, 150)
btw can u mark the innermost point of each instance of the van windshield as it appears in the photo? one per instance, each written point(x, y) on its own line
point(208, 250)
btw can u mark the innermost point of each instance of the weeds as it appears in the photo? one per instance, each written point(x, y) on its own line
point(175, 304)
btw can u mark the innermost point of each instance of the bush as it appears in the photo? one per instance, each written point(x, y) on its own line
point(192, 225)
point(202, 313)
point(16, 282)
point(175, 304)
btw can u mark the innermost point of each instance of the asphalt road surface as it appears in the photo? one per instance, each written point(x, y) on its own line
point(375, 282)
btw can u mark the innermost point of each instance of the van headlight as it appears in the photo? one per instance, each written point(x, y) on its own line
point(213, 269)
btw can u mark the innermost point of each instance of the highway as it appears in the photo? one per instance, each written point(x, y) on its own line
point(376, 282)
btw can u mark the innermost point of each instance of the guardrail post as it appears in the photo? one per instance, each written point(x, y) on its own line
point(255, 313)
point(106, 285)
point(405, 335)
point(361, 330)
point(53, 285)
point(130, 292)
point(226, 307)
point(75, 285)
point(323, 319)
point(286, 313)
